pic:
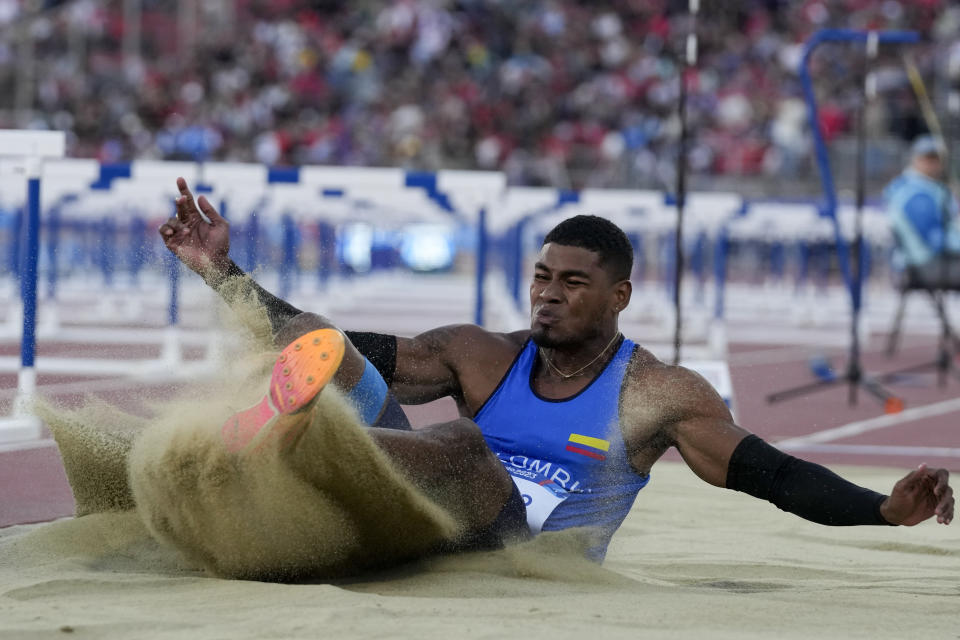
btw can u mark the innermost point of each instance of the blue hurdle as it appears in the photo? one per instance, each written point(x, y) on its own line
point(282, 218)
point(32, 148)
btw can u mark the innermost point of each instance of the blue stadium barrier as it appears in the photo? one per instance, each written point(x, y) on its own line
point(830, 205)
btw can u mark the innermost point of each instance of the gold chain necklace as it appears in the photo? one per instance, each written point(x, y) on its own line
point(565, 376)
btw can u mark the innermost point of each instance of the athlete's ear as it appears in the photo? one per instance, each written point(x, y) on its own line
point(621, 295)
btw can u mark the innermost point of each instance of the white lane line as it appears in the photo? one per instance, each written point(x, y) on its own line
point(27, 445)
point(147, 335)
point(877, 450)
point(776, 355)
point(187, 372)
point(873, 424)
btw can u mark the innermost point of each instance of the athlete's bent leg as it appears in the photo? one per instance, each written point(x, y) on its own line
point(452, 464)
point(351, 368)
point(449, 462)
point(356, 377)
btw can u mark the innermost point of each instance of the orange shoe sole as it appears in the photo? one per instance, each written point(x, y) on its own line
point(303, 369)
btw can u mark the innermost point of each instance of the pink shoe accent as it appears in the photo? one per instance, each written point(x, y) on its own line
point(304, 368)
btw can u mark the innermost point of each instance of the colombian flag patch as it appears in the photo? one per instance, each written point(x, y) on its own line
point(586, 446)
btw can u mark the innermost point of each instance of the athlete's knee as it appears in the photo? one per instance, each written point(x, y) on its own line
point(470, 446)
point(300, 324)
point(352, 366)
point(466, 433)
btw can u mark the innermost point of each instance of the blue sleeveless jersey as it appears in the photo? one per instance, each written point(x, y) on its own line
point(567, 456)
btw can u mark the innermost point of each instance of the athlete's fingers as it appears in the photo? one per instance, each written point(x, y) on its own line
point(170, 227)
point(942, 477)
point(209, 210)
point(186, 210)
point(182, 186)
point(931, 481)
point(910, 483)
point(933, 485)
point(922, 478)
point(944, 509)
point(185, 204)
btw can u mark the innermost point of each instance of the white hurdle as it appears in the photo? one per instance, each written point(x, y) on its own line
point(31, 148)
point(285, 209)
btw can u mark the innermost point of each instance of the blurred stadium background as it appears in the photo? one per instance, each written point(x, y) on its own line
point(560, 93)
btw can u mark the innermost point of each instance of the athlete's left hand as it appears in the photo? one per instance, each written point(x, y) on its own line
point(919, 495)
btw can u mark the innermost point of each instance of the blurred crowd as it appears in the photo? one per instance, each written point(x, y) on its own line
point(557, 92)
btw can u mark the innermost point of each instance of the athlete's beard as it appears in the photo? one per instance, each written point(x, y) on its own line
point(541, 339)
point(548, 340)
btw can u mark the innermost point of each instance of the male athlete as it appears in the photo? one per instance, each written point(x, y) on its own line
point(562, 422)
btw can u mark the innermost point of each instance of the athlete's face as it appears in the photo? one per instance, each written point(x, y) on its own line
point(572, 298)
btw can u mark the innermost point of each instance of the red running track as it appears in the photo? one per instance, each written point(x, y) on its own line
point(33, 486)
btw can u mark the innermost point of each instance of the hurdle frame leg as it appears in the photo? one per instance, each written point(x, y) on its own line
point(33, 147)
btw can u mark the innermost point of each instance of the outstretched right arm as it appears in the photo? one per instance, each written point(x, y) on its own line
point(200, 238)
point(417, 369)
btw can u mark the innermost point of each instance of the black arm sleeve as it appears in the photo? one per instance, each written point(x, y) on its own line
point(278, 311)
point(380, 349)
point(800, 487)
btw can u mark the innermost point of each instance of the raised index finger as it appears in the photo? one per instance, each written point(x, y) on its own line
point(185, 205)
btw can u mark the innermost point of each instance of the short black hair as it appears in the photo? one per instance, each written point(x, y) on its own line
point(602, 237)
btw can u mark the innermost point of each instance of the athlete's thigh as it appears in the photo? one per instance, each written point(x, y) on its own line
point(452, 464)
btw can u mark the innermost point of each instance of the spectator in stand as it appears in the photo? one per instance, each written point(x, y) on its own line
point(560, 92)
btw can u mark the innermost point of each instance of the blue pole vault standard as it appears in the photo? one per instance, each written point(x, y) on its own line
point(851, 258)
point(819, 144)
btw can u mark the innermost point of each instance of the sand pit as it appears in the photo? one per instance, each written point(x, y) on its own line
point(690, 561)
point(329, 505)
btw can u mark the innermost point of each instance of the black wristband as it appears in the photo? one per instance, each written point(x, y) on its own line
point(803, 488)
point(379, 348)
